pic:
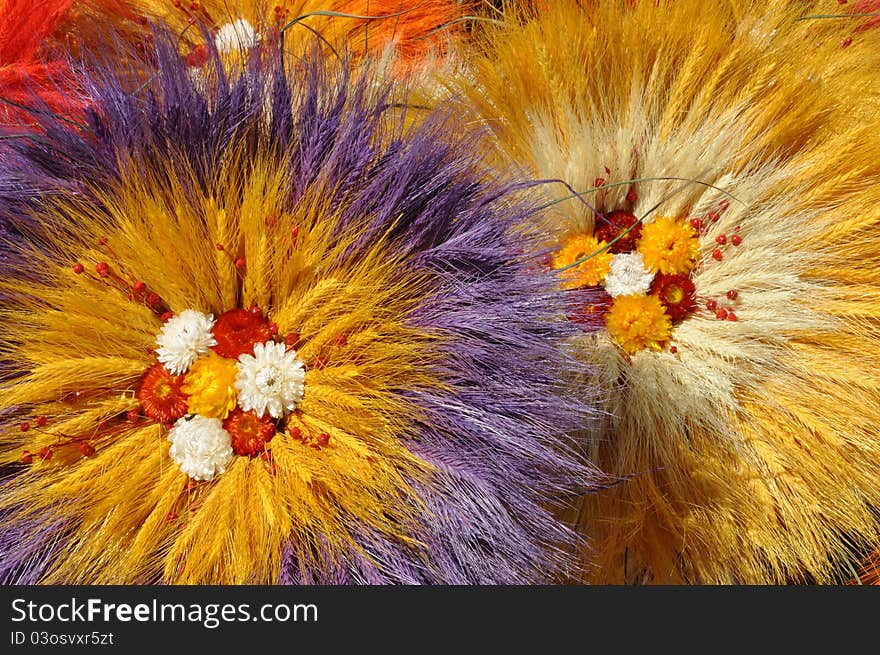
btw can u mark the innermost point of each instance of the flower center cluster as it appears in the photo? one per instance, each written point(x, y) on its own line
point(222, 388)
point(642, 274)
point(267, 379)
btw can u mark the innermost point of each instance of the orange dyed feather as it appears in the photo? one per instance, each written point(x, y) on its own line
point(421, 26)
point(869, 574)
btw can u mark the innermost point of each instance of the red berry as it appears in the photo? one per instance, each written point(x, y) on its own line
point(711, 305)
point(197, 57)
point(714, 216)
point(41, 421)
point(78, 268)
point(599, 182)
point(632, 197)
point(732, 294)
point(731, 316)
point(673, 349)
point(273, 329)
point(26, 457)
point(139, 286)
point(721, 239)
point(220, 246)
point(724, 204)
point(102, 269)
point(696, 223)
point(736, 239)
point(86, 449)
point(240, 263)
point(132, 416)
point(296, 433)
point(721, 314)
point(717, 254)
point(255, 311)
point(25, 426)
point(167, 316)
point(323, 439)
point(291, 338)
point(45, 453)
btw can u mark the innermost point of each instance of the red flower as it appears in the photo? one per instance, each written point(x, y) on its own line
point(160, 394)
point(249, 431)
point(677, 293)
point(614, 224)
point(237, 330)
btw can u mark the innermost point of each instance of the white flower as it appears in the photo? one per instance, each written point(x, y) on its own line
point(271, 380)
point(183, 338)
point(239, 35)
point(628, 276)
point(200, 446)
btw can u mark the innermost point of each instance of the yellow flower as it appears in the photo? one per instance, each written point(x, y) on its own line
point(590, 272)
point(638, 322)
point(210, 384)
point(669, 246)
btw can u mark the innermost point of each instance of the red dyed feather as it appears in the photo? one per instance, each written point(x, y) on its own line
point(868, 7)
point(25, 25)
point(30, 74)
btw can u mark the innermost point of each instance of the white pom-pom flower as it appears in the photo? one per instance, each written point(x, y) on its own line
point(239, 35)
point(272, 380)
point(183, 339)
point(200, 446)
point(628, 276)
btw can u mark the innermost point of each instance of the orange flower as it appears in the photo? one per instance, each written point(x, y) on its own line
point(638, 322)
point(588, 273)
point(237, 330)
point(161, 394)
point(249, 431)
point(210, 384)
point(669, 246)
